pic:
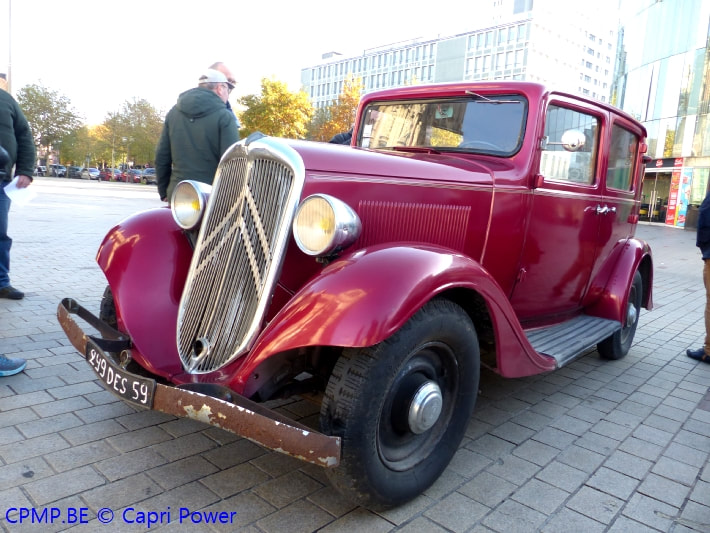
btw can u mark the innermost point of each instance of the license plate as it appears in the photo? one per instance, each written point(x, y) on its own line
point(136, 389)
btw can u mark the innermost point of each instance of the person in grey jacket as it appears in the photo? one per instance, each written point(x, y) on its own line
point(703, 242)
point(197, 131)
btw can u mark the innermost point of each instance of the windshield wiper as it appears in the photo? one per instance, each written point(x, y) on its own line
point(483, 100)
point(417, 149)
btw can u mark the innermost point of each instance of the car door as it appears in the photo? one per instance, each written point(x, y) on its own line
point(563, 222)
point(620, 189)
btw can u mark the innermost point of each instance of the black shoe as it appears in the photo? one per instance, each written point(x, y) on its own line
point(698, 355)
point(11, 293)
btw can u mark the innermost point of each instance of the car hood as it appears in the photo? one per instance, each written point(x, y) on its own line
point(334, 158)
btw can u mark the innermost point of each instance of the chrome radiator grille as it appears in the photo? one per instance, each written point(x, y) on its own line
point(238, 253)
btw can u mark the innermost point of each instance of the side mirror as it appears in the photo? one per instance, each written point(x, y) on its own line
point(573, 140)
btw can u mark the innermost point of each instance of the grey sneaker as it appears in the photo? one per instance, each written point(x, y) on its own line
point(10, 367)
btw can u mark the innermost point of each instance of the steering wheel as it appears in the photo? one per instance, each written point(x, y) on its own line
point(480, 144)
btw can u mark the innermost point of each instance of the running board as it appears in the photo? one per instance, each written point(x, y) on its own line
point(566, 341)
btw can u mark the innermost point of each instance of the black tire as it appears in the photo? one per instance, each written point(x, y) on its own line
point(617, 345)
point(107, 309)
point(369, 399)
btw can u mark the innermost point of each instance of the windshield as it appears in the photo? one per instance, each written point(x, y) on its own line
point(483, 124)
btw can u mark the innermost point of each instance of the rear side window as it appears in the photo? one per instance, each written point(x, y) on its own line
point(560, 164)
point(624, 146)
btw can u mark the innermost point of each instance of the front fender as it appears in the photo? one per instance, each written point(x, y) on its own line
point(362, 299)
point(145, 259)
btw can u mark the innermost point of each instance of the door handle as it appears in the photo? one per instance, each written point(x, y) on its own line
point(605, 210)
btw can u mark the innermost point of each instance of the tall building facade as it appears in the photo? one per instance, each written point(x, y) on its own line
point(554, 42)
point(664, 81)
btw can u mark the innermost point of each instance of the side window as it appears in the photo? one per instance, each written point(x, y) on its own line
point(558, 163)
point(624, 146)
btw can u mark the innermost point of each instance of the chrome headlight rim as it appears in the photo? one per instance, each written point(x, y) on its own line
point(188, 203)
point(346, 226)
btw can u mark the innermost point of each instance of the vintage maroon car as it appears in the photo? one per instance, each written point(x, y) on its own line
point(468, 224)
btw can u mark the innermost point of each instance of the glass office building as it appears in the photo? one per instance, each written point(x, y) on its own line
point(663, 69)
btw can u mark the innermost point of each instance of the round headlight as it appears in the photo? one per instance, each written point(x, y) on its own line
point(324, 225)
point(188, 202)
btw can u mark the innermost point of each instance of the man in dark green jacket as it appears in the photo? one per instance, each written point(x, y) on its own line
point(197, 131)
point(17, 151)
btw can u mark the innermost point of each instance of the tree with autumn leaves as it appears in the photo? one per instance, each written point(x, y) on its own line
point(340, 115)
point(281, 113)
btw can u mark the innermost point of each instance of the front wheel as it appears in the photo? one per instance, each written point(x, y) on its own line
point(617, 345)
point(402, 406)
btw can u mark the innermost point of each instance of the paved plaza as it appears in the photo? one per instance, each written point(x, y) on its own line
point(618, 446)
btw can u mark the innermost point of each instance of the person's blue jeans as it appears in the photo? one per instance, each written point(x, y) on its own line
point(5, 241)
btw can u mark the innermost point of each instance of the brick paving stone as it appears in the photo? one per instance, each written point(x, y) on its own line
point(175, 474)
point(131, 463)
point(513, 517)
point(613, 482)
point(675, 470)
point(540, 496)
point(635, 408)
point(337, 505)
point(554, 437)
point(284, 490)
point(701, 493)
point(581, 458)
point(513, 469)
point(687, 455)
point(58, 407)
point(595, 504)
point(456, 512)
point(567, 521)
point(234, 453)
point(92, 432)
point(597, 443)
point(18, 474)
point(488, 489)
point(141, 438)
point(35, 447)
point(663, 489)
point(563, 476)
point(688, 438)
point(512, 432)
point(17, 416)
point(301, 516)
point(184, 446)
point(127, 491)
point(81, 455)
point(447, 483)
point(653, 435)
point(104, 412)
point(532, 420)
point(536, 452)
point(491, 447)
point(570, 424)
point(233, 480)
point(630, 465)
point(48, 425)
point(422, 525)
point(62, 485)
point(641, 448)
point(650, 512)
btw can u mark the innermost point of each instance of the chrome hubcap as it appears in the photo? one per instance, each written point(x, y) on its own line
point(631, 314)
point(425, 407)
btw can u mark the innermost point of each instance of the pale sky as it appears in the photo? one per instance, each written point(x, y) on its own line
point(101, 53)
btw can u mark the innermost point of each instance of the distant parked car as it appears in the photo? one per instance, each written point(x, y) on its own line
point(41, 170)
point(74, 172)
point(148, 176)
point(133, 175)
point(58, 171)
point(90, 173)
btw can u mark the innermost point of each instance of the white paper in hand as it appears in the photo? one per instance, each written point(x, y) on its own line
point(17, 195)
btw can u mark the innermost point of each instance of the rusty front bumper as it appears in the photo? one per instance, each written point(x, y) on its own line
point(240, 415)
